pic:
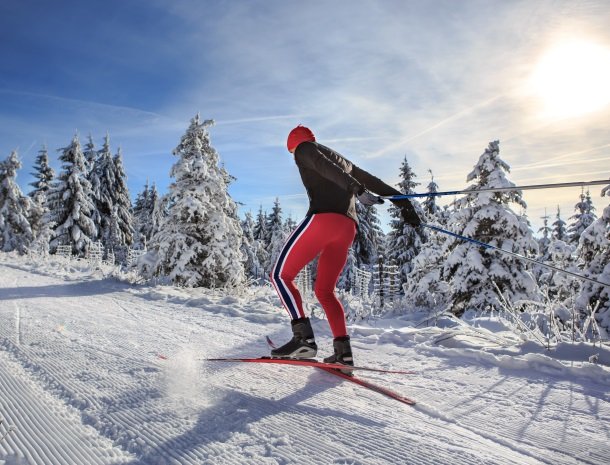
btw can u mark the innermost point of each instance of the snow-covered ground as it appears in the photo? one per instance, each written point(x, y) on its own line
point(97, 371)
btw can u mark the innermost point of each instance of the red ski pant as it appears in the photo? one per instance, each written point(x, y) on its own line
point(330, 236)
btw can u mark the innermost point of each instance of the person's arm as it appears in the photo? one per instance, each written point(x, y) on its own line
point(379, 187)
point(308, 156)
point(373, 183)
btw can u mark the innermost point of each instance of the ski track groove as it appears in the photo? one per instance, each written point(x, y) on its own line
point(59, 448)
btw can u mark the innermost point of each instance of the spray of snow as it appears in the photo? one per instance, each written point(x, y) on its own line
point(187, 381)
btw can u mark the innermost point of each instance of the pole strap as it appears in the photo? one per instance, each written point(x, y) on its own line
point(508, 252)
point(498, 189)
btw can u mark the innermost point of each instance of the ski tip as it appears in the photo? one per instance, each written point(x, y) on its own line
point(270, 342)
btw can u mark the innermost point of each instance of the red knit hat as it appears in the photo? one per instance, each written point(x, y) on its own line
point(298, 135)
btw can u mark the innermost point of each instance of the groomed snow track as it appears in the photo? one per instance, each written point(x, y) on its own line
point(93, 371)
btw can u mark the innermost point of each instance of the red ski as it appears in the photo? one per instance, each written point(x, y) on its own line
point(307, 363)
point(371, 386)
point(333, 369)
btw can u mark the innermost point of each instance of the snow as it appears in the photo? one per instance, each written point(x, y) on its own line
point(94, 370)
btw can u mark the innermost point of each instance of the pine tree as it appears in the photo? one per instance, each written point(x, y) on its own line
point(40, 222)
point(70, 202)
point(559, 227)
point(250, 249)
point(594, 253)
point(545, 240)
point(368, 237)
point(290, 225)
point(426, 285)
point(558, 286)
point(198, 242)
point(276, 235)
point(122, 235)
point(90, 155)
point(431, 209)
point(160, 212)
point(44, 174)
point(544, 243)
point(583, 217)
point(260, 227)
point(15, 231)
point(104, 178)
point(404, 241)
point(487, 217)
point(143, 210)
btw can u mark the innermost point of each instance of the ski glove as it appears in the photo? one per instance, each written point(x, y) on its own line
point(407, 212)
point(365, 197)
point(368, 199)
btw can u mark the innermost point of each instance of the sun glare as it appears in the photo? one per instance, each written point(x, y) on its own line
point(573, 79)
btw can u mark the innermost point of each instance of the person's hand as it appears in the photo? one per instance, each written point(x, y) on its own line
point(408, 213)
point(367, 198)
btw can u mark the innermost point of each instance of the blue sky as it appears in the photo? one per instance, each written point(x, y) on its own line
point(434, 81)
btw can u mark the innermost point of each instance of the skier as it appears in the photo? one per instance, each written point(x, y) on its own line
point(328, 230)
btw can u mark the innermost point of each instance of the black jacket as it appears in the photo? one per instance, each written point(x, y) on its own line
point(331, 180)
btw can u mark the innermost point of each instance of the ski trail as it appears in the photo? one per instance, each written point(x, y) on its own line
point(89, 361)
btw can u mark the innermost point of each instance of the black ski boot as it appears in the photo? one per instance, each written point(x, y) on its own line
point(343, 353)
point(302, 344)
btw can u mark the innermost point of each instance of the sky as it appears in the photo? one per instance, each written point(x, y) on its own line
point(433, 81)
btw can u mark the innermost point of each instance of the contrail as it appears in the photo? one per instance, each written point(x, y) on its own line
point(435, 126)
point(258, 119)
point(83, 102)
point(565, 163)
point(544, 164)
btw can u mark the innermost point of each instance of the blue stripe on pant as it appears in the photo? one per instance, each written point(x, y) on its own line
point(280, 286)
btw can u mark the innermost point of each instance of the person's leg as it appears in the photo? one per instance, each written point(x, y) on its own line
point(301, 247)
point(330, 264)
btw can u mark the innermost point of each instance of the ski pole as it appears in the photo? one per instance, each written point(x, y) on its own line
point(498, 189)
point(522, 257)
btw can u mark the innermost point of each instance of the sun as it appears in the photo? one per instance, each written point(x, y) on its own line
point(572, 79)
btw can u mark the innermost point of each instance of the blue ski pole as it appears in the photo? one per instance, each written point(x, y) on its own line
point(508, 252)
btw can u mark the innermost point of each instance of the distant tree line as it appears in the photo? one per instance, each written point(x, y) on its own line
point(193, 235)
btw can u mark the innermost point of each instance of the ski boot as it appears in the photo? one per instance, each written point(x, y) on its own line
point(302, 344)
point(343, 354)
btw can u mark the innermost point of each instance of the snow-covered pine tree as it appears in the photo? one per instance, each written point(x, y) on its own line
point(545, 240)
point(260, 227)
point(290, 225)
point(43, 173)
point(40, 223)
point(276, 235)
point(198, 242)
point(143, 210)
point(160, 212)
point(70, 202)
point(594, 253)
point(90, 155)
point(404, 241)
point(426, 286)
point(122, 237)
point(558, 286)
point(559, 227)
point(583, 217)
point(368, 237)
point(15, 231)
point(431, 209)
point(471, 270)
point(104, 179)
point(250, 249)
point(138, 212)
